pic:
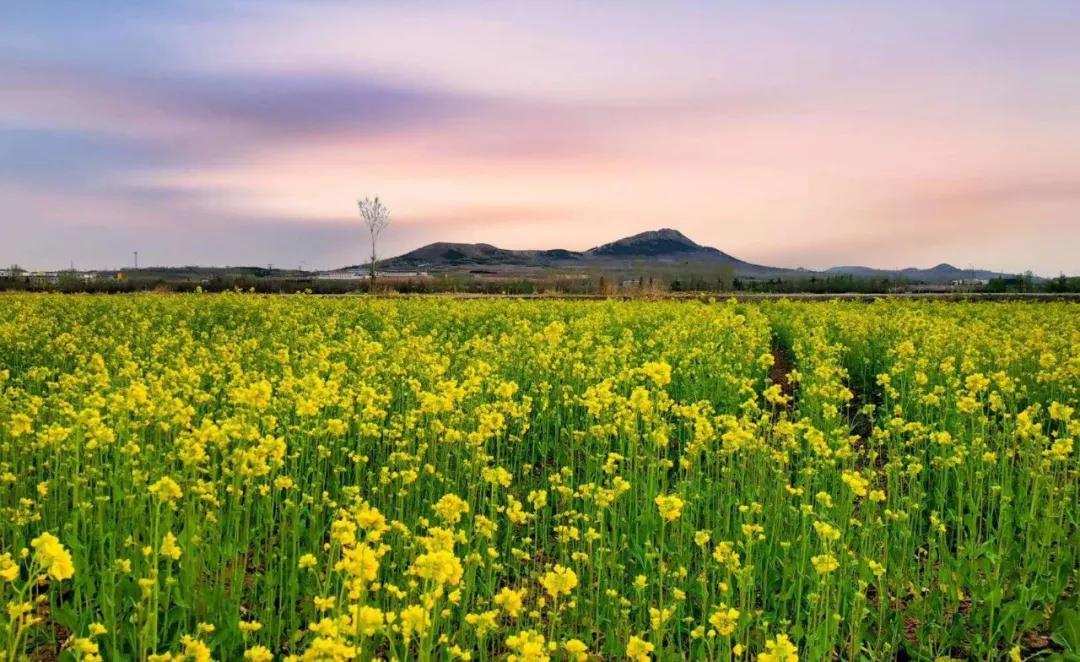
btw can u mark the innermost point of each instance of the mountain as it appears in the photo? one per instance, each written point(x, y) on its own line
point(665, 248)
point(941, 273)
point(652, 244)
point(656, 250)
point(672, 249)
point(442, 255)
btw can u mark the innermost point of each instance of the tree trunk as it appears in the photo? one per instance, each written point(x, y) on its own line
point(371, 279)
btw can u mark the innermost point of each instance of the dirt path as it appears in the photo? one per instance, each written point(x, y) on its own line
point(779, 371)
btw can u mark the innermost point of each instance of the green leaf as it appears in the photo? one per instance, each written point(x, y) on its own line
point(67, 617)
point(1067, 629)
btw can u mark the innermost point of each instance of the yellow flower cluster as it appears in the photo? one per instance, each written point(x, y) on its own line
point(302, 478)
point(52, 557)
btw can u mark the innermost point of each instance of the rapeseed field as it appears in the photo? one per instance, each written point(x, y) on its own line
point(238, 477)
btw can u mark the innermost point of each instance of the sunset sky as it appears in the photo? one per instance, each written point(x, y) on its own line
point(806, 134)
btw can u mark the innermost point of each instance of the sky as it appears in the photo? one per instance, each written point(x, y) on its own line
point(788, 133)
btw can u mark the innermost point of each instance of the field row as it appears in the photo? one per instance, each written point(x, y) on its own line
point(329, 479)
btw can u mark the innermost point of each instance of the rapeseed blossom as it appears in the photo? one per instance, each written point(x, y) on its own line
point(52, 557)
point(670, 506)
point(528, 646)
point(430, 478)
point(559, 581)
point(639, 650)
point(724, 619)
point(824, 563)
point(511, 601)
point(779, 649)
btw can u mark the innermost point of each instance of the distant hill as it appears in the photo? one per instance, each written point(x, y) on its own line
point(664, 249)
point(656, 243)
point(443, 255)
point(671, 248)
point(943, 272)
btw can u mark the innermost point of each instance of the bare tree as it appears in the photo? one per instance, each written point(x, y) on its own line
point(376, 217)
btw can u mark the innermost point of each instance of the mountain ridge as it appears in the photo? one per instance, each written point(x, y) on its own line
point(665, 247)
point(937, 273)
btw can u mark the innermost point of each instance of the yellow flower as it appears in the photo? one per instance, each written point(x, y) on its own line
point(20, 424)
point(510, 600)
point(414, 619)
point(97, 629)
point(559, 581)
point(250, 626)
point(779, 649)
point(658, 371)
point(195, 649)
point(538, 499)
point(483, 622)
point(751, 529)
point(371, 520)
point(725, 554)
point(9, 569)
point(166, 489)
point(670, 506)
point(497, 475)
point(658, 617)
point(450, 508)
point(1059, 412)
point(724, 620)
point(147, 586)
point(826, 531)
point(360, 561)
point(577, 650)
point(441, 566)
point(368, 620)
point(528, 646)
point(824, 563)
point(857, 483)
point(16, 610)
point(169, 547)
point(258, 654)
point(86, 648)
point(51, 555)
point(307, 561)
point(639, 650)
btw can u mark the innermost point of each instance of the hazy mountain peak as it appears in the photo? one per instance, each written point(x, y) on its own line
point(664, 241)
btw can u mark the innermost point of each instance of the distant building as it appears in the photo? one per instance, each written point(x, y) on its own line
point(44, 276)
point(344, 274)
point(359, 274)
point(54, 277)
